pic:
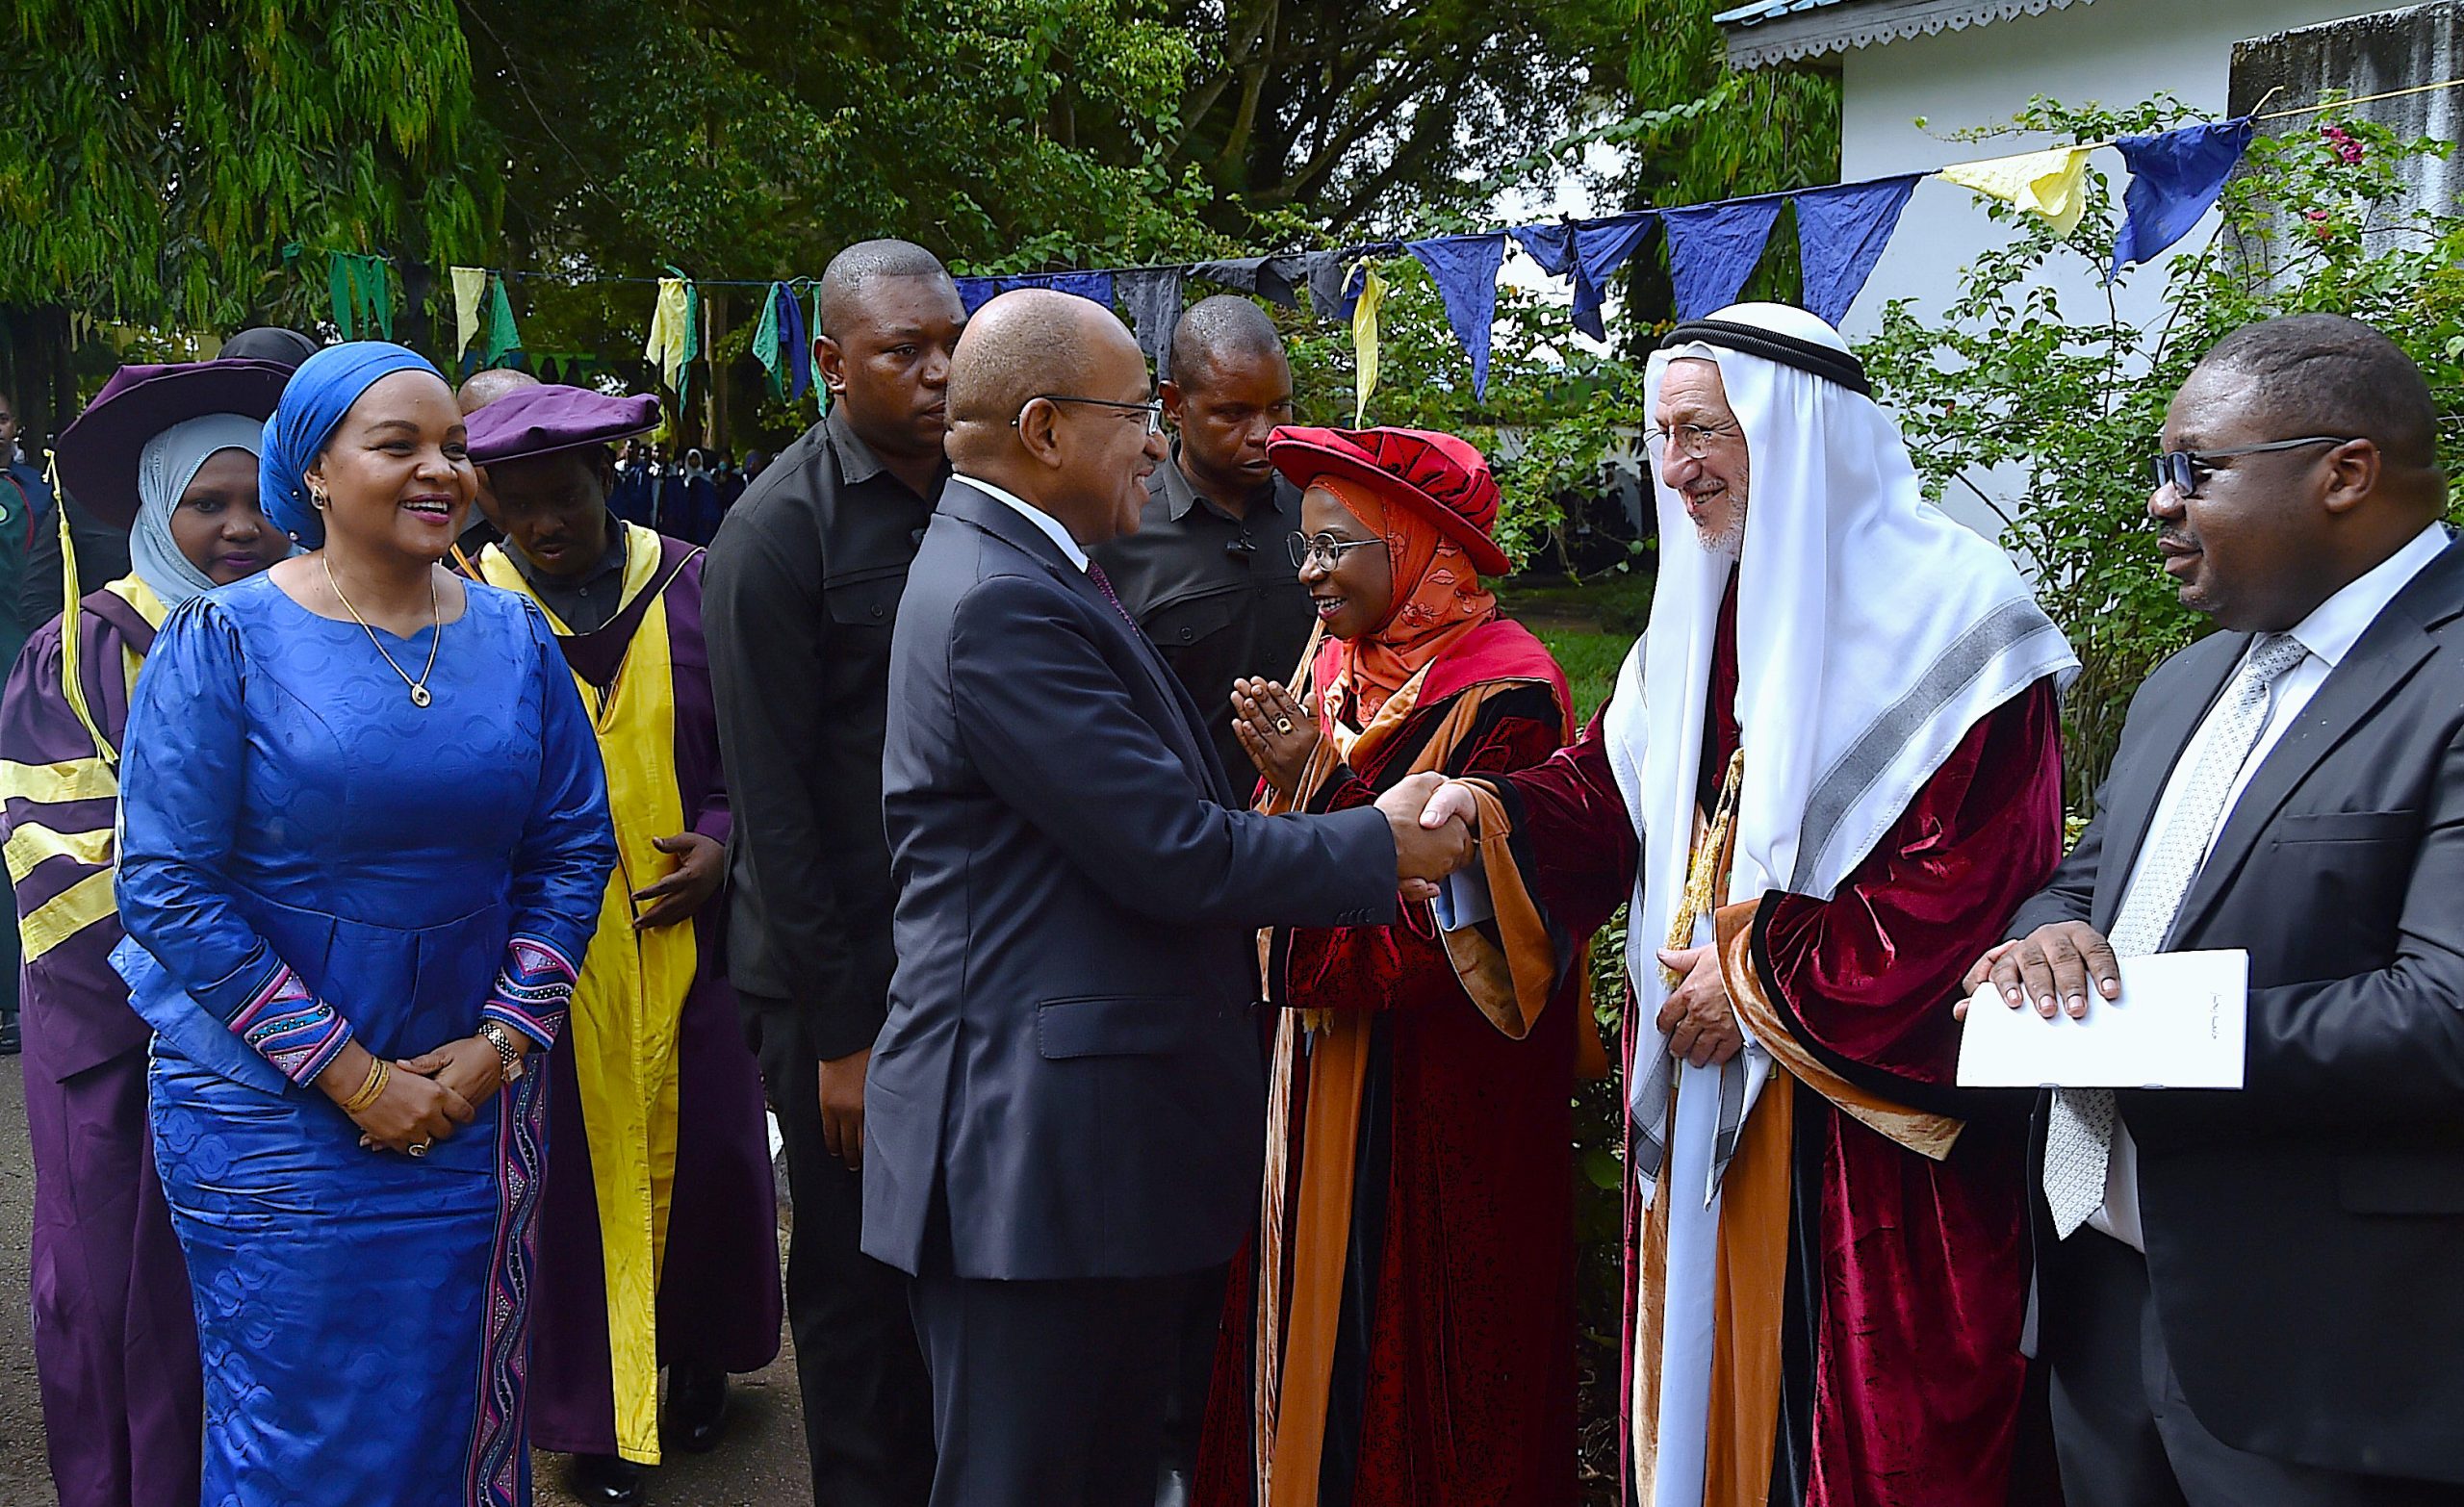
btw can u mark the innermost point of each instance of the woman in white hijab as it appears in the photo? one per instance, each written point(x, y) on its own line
point(169, 453)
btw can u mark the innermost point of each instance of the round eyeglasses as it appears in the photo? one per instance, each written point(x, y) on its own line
point(1325, 551)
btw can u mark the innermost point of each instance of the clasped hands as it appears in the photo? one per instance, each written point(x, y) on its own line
point(425, 1098)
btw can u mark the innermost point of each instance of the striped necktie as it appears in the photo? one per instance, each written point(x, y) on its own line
point(2079, 1134)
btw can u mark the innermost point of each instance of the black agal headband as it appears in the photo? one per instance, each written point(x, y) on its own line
point(1837, 365)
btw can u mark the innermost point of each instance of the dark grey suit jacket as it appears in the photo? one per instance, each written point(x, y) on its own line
point(1071, 1066)
point(2305, 1235)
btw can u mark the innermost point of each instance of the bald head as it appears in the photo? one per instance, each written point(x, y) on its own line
point(845, 282)
point(1219, 336)
point(1029, 343)
point(1047, 401)
point(486, 387)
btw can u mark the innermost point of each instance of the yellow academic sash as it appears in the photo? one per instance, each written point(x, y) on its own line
point(621, 1036)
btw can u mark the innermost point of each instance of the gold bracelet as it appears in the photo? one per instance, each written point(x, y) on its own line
point(378, 1075)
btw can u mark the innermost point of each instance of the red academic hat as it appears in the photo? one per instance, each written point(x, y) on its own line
point(549, 419)
point(1441, 476)
point(98, 454)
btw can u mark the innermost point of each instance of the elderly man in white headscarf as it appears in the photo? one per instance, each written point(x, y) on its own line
point(1825, 778)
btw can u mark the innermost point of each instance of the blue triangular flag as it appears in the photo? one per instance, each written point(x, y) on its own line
point(1587, 251)
point(2174, 178)
point(974, 292)
point(1465, 269)
point(1840, 235)
point(1712, 250)
point(1601, 247)
point(792, 331)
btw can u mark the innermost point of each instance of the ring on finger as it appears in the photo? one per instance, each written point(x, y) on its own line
point(416, 1148)
point(1283, 725)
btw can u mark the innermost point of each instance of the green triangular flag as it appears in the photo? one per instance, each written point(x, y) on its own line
point(502, 338)
point(765, 339)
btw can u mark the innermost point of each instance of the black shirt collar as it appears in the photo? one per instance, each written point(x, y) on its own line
point(1180, 495)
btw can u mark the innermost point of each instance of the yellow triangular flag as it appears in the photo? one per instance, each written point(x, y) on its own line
point(2050, 184)
point(669, 328)
point(1364, 342)
point(469, 282)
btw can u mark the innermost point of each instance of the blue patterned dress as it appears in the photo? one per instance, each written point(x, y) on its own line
point(307, 857)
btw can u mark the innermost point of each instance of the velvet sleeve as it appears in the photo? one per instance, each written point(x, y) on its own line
point(1865, 980)
point(180, 809)
point(560, 866)
point(1405, 962)
point(1573, 841)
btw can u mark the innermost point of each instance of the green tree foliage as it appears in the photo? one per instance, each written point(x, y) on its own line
point(753, 139)
point(1363, 115)
point(165, 154)
point(1768, 130)
point(2015, 380)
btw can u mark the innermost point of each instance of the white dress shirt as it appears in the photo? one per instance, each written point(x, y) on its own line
point(2329, 633)
point(1033, 514)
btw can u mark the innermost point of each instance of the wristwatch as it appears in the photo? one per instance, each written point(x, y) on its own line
point(508, 1055)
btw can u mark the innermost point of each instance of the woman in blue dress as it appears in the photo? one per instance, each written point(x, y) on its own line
point(364, 835)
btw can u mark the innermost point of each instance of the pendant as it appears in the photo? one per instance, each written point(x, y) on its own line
point(419, 697)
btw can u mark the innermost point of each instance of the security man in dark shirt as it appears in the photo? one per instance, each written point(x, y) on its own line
point(800, 594)
point(1207, 573)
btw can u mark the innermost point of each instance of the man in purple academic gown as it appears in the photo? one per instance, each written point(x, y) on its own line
point(168, 454)
point(658, 1241)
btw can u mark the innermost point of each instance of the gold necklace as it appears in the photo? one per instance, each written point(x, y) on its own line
point(419, 697)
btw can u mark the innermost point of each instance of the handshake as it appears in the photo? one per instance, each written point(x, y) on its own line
point(1432, 820)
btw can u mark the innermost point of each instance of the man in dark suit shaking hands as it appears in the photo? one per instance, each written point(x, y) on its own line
point(1065, 1107)
point(2250, 1298)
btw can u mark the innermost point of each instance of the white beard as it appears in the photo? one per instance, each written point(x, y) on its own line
point(1730, 542)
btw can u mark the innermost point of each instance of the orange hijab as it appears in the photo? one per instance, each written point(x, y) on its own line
point(1438, 599)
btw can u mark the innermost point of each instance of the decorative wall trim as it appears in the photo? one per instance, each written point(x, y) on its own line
point(1772, 32)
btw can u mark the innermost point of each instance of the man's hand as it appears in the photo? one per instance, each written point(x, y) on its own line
point(1699, 1021)
point(701, 864)
point(1453, 802)
point(1422, 855)
point(842, 1107)
point(2052, 967)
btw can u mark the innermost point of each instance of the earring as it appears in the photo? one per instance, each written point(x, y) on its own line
point(318, 499)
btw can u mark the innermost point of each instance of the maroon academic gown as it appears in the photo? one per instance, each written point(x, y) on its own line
point(719, 1301)
point(114, 1336)
point(1902, 1377)
point(1455, 1366)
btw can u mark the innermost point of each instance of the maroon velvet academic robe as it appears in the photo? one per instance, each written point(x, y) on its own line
point(1902, 1379)
point(719, 1302)
point(1454, 1374)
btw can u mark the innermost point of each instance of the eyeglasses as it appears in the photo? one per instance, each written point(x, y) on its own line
point(2181, 469)
point(1152, 408)
point(1693, 441)
point(1325, 551)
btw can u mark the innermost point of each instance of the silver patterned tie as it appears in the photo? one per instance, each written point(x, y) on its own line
point(2079, 1134)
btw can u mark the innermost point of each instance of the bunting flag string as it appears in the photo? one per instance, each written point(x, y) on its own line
point(1714, 249)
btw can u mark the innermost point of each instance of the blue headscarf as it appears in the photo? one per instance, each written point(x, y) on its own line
point(317, 396)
